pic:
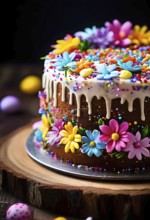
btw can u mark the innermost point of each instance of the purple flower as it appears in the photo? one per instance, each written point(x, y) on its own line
point(102, 37)
point(53, 136)
point(98, 37)
point(137, 146)
point(121, 32)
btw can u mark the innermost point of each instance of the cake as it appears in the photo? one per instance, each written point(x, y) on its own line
point(95, 102)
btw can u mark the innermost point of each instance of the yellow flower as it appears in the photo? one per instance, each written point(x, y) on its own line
point(68, 45)
point(45, 126)
point(140, 35)
point(70, 137)
point(82, 64)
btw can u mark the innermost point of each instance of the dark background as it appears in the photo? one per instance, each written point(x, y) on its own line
point(30, 27)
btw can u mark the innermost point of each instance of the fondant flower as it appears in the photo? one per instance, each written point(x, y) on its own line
point(45, 126)
point(53, 136)
point(87, 33)
point(100, 37)
point(70, 137)
point(115, 135)
point(39, 136)
point(65, 60)
point(68, 44)
point(140, 35)
point(92, 145)
point(43, 105)
point(138, 147)
point(82, 64)
point(106, 72)
point(121, 32)
point(129, 66)
point(91, 57)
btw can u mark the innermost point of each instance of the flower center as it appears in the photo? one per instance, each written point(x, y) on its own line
point(71, 137)
point(137, 145)
point(92, 144)
point(115, 136)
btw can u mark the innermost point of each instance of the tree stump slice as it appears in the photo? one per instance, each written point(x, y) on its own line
point(48, 190)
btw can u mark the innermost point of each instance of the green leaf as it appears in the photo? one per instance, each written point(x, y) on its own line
point(82, 131)
point(42, 58)
point(117, 154)
point(145, 131)
point(84, 45)
point(100, 121)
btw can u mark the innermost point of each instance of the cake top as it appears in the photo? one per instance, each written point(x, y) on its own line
point(115, 51)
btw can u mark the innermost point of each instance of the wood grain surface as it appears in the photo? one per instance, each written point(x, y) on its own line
point(43, 188)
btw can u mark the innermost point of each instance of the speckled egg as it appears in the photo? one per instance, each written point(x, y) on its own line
point(30, 84)
point(86, 72)
point(125, 74)
point(19, 211)
point(10, 104)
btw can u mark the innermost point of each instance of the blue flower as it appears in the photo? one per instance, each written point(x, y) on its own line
point(38, 135)
point(92, 145)
point(65, 60)
point(92, 57)
point(128, 66)
point(87, 33)
point(106, 72)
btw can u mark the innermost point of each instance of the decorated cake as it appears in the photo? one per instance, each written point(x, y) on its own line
point(95, 102)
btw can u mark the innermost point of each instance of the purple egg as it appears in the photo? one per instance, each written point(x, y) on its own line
point(19, 211)
point(10, 104)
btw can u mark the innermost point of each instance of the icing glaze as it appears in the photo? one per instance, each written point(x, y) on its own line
point(93, 87)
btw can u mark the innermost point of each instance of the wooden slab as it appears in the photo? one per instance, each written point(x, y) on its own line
point(25, 178)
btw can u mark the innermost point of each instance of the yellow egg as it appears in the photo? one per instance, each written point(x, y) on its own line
point(30, 84)
point(60, 218)
point(86, 72)
point(125, 74)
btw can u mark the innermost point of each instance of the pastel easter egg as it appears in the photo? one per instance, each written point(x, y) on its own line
point(10, 104)
point(19, 211)
point(30, 84)
point(60, 218)
point(125, 74)
point(86, 72)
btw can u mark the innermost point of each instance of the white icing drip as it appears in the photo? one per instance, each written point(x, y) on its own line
point(108, 107)
point(130, 105)
point(71, 98)
point(142, 108)
point(63, 91)
point(122, 100)
point(51, 86)
point(89, 100)
point(44, 77)
point(78, 104)
point(97, 88)
point(55, 93)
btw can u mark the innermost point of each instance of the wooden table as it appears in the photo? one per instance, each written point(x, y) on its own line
point(69, 196)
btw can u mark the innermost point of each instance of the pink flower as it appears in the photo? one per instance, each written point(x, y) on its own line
point(115, 135)
point(137, 147)
point(121, 32)
point(53, 136)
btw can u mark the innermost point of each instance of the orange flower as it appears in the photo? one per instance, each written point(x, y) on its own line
point(82, 64)
point(140, 35)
